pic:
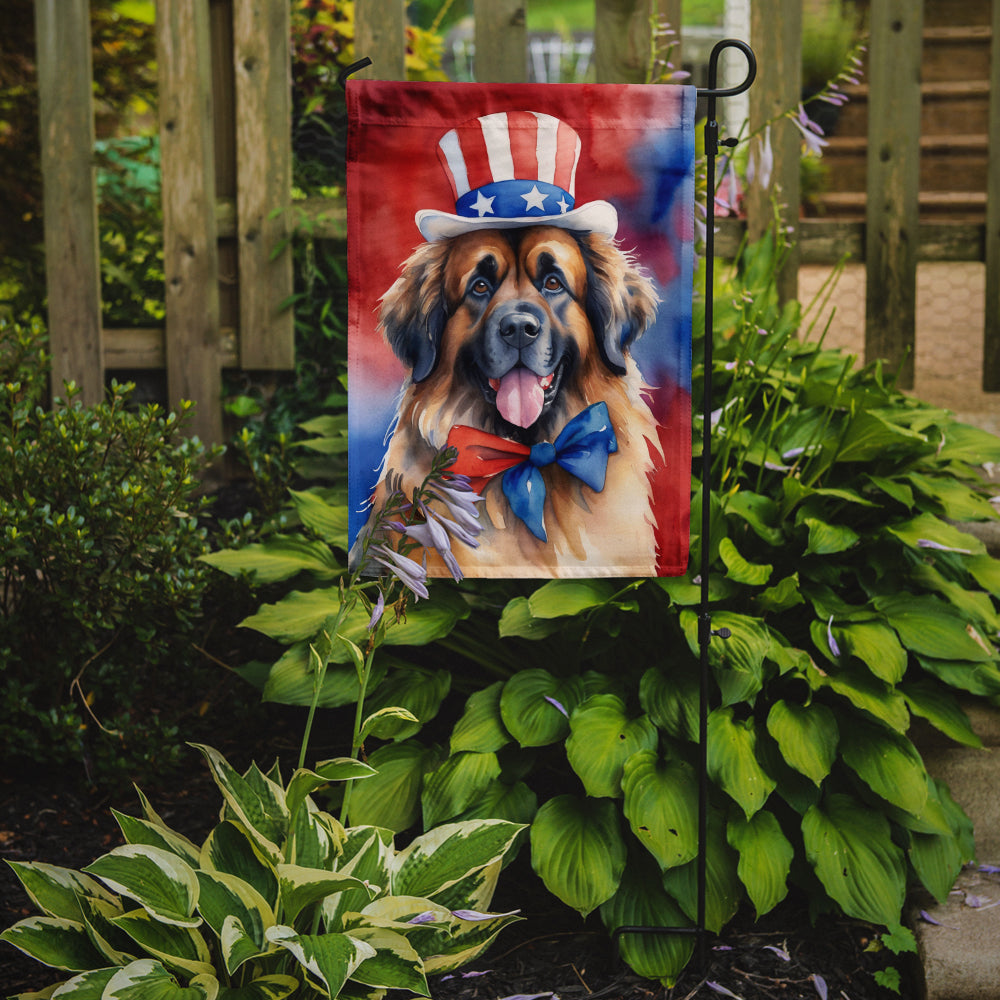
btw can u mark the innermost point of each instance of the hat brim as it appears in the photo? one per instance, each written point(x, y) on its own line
point(595, 216)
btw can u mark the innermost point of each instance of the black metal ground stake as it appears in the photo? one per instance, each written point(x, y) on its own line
point(705, 631)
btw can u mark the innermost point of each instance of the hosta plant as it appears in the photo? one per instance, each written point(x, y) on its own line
point(279, 900)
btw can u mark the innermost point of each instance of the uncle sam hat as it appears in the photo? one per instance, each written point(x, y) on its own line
point(510, 169)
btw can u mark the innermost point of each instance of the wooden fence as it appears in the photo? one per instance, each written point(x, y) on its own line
point(226, 161)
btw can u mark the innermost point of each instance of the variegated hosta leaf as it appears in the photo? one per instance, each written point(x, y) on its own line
point(56, 891)
point(54, 941)
point(807, 736)
point(467, 940)
point(86, 986)
point(315, 838)
point(158, 880)
point(225, 897)
point(275, 987)
point(301, 887)
point(256, 801)
point(456, 784)
point(149, 980)
point(535, 706)
point(888, 763)
point(602, 737)
point(141, 831)
point(304, 782)
point(395, 964)
point(116, 947)
point(578, 851)
point(850, 847)
point(475, 891)
point(367, 853)
point(329, 959)
point(441, 857)
point(642, 902)
point(765, 858)
point(230, 849)
point(661, 805)
point(481, 727)
point(732, 760)
point(177, 947)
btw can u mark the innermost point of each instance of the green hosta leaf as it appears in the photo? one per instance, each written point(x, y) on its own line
point(870, 436)
point(330, 959)
point(732, 760)
point(661, 799)
point(517, 620)
point(931, 628)
point(937, 859)
point(56, 891)
point(301, 887)
point(976, 678)
point(957, 501)
point(602, 738)
point(876, 646)
point(641, 901)
point(850, 848)
point(275, 987)
point(54, 941)
point(723, 889)
point(160, 882)
point(516, 803)
point(671, 700)
point(738, 661)
point(765, 858)
point(226, 898)
point(327, 520)
point(561, 598)
point(888, 763)
point(292, 680)
point(828, 539)
point(395, 964)
point(684, 592)
point(965, 443)
point(783, 595)
point(387, 723)
point(864, 691)
point(438, 859)
point(456, 784)
point(975, 605)
point(941, 709)
point(578, 851)
point(279, 558)
point(141, 831)
point(418, 691)
point(535, 706)
point(758, 511)
point(260, 809)
point(894, 489)
point(147, 979)
point(927, 528)
point(807, 736)
point(986, 572)
point(230, 849)
point(481, 728)
point(180, 948)
point(738, 569)
point(391, 798)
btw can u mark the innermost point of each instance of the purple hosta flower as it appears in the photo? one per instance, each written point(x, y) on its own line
point(475, 915)
point(927, 543)
point(727, 198)
point(377, 612)
point(427, 917)
point(531, 996)
point(812, 134)
point(834, 648)
point(460, 499)
point(780, 952)
point(927, 918)
point(465, 975)
point(820, 983)
point(431, 535)
point(719, 988)
point(760, 166)
point(990, 869)
point(558, 705)
point(409, 572)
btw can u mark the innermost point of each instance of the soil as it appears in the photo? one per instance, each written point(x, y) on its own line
point(551, 952)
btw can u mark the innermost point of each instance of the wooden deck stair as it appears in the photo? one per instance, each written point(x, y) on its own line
point(955, 89)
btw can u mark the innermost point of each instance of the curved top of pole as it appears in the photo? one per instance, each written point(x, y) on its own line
point(713, 69)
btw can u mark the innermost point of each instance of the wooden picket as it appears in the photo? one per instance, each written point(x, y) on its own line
point(226, 161)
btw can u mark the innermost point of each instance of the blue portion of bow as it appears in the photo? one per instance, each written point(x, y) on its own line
point(582, 448)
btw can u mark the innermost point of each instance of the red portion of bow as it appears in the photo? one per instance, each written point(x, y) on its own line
point(481, 456)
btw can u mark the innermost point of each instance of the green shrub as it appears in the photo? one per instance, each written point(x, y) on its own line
point(101, 584)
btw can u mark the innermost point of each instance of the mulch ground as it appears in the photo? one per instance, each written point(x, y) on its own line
point(551, 952)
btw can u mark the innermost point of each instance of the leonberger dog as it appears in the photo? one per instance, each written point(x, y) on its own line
point(516, 331)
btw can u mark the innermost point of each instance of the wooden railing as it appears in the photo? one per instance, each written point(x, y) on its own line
point(226, 160)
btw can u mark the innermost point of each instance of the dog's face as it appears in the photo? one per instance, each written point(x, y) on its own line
point(513, 331)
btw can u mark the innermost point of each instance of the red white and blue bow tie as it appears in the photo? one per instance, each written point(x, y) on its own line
point(582, 449)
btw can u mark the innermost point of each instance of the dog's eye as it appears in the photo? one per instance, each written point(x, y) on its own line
point(552, 284)
point(480, 286)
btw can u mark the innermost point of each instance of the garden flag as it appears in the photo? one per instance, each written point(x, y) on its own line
point(520, 272)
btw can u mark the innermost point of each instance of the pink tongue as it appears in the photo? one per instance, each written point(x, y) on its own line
point(520, 397)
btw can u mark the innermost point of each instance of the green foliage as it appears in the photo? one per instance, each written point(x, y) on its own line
point(280, 899)
point(101, 587)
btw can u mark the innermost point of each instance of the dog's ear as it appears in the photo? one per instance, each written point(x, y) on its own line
point(413, 312)
point(621, 301)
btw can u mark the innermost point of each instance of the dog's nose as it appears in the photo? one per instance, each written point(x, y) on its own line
point(519, 329)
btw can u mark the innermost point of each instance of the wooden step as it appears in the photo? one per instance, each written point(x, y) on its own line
point(945, 12)
point(957, 206)
point(956, 53)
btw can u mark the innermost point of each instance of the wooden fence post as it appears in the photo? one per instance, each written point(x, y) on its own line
point(892, 215)
point(501, 41)
point(380, 34)
point(262, 61)
point(622, 40)
point(72, 255)
point(776, 35)
point(190, 251)
point(991, 332)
